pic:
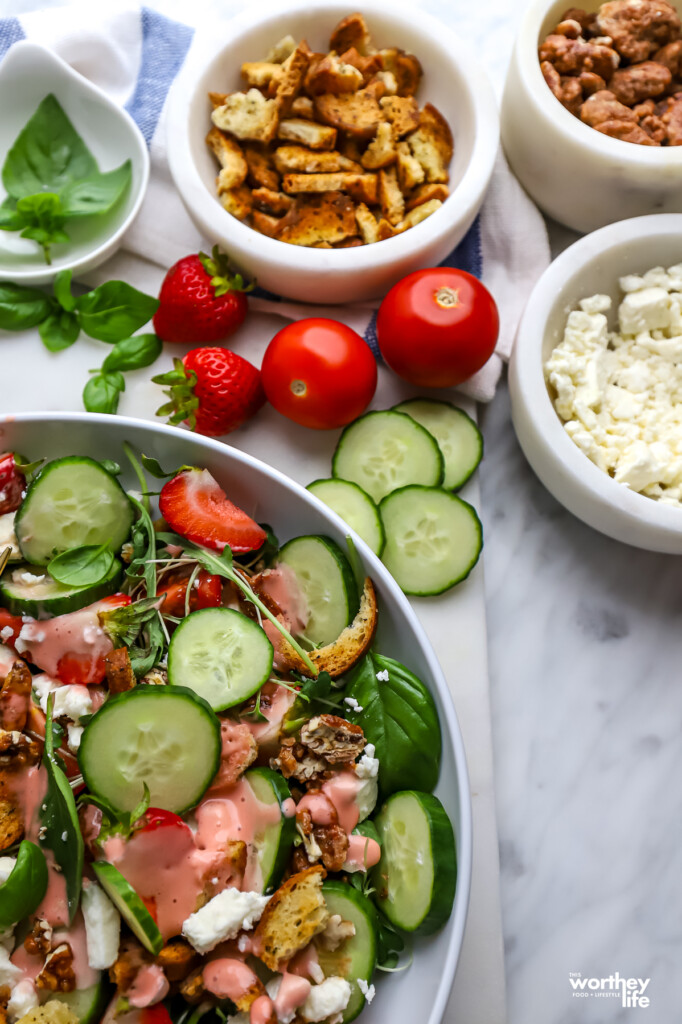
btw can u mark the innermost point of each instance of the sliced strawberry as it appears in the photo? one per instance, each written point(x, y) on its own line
point(157, 817)
point(195, 506)
point(9, 621)
point(207, 592)
point(12, 484)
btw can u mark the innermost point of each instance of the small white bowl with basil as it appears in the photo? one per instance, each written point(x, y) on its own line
point(74, 168)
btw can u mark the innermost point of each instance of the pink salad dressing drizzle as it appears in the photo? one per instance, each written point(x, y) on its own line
point(342, 789)
point(261, 1010)
point(76, 938)
point(150, 986)
point(300, 964)
point(76, 635)
point(293, 992)
point(322, 810)
point(279, 700)
point(281, 586)
point(7, 659)
point(228, 978)
point(363, 853)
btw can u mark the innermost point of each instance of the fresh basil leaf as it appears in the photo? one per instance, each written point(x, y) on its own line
point(10, 219)
point(41, 210)
point(399, 717)
point(96, 194)
point(114, 311)
point(22, 307)
point(59, 331)
point(60, 830)
point(62, 290)
point(133, 353)
point(47, 154)
point(82, 567)
point(101, 393)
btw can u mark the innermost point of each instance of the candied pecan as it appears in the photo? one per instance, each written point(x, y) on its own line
point(672, 119)
point(569, 27)
point(299, 860)
point(304, 821)
point(15, 696)
point(603, 106)
point(670, 56)
point(587, 21)
point(638, 27)
point(571, 93)
point(58, 974)
point(627, 131)
point(591, 83)
point(18, 750)
point(552, 77)
point(333, 843)
point(38, 942)
point(573, 56)
point(333, 738)
point(294, 760)
point(640, 82)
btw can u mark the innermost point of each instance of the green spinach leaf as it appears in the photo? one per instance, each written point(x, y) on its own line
point(96, 194)
point(60, 830)
point(21, 308)
point(102, 392)
point(399, 717)
point(133, 353)
point(114, 311)
point(59, 331)
point(62, 290)
point(82, 567)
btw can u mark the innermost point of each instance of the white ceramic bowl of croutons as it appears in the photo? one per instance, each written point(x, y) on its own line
point(453, 82)
point(576, 174)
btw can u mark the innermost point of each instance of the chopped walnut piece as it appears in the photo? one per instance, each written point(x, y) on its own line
point(14, 697)
point(332, 841)
point(572, 56)
point(640, 82)
point(333, 738)
point(17, 750)
point(638, 27)
point(58, 974)
point(295, 761)
point(38, 942)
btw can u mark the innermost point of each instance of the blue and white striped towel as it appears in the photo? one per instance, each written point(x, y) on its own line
point(134, 54)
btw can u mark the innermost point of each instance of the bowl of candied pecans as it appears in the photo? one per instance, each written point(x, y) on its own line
point(329, 152)
point(592, 109)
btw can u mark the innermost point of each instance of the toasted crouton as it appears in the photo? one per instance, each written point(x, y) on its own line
point(351, 148)
point(52, 1012)
point(119, 671)
point(381, 151)
point(237, 201)
point(410, 171)
point(418, 214)
point(367, 66)
point(351, 31)
point(303, 107)
point(425, 193)
point(248, 116)
point(339, 182)
point(385, 230)
point(367, 223)
point(281, 50)
point(328, 217)
point(302, 160)
point(290, 80)
point(261, 170)
point(357, 113)
point(292, 918)
point(177, 958)
point(265, 223)
point(331, 75)
point(348, 243)
point(390, 197)
point(432, 144)
point(231, 158)
point(259, 73)
point(402, 112)
point(218, 99)
point(405, 68)
point(274, 203)
point(315, 136)
point(387, 78)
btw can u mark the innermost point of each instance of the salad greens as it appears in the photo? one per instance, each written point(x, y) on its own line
point(51, 177)
point(80, 567)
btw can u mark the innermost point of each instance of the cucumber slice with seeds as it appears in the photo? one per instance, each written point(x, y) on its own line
point(220, 654)
point(48, 598)
point(72, 502)
point(129, 905)
point(433, 539)
point(416, 877)
point(166, 736)
point(87, 1003)
point(326, 579)
point(382, 451)
point(274, 841)
point(356, 957)
point(458, 437)
point(355, 507)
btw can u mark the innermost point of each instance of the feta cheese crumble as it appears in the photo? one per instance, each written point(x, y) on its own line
point(368, 991)
point(353, 704)
point(23, 999)
point(331, 996)
point(222, 918)
point(71, 699)
point(619, 393)
point(383, 676)
point(367, 770)
point(102, 926)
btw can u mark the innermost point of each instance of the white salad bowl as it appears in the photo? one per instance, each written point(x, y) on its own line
point(574, 173)
point(28, 74)
point(591, 266)
point(453, 81)
point(417, 994)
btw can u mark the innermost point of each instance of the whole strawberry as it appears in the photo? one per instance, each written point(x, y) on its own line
point(212, 390)
point(200, 300)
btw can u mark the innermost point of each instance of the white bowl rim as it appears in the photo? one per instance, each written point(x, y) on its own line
point(467, 195)
point(465, 845)
point(529, 370)
point(36, 274)
point(615, 150)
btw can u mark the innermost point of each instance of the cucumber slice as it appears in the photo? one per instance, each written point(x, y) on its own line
point(166, 736)
point(458, 437)
point(356, 957)
point(416, 877)
point(87, 1003)
point(220, 654)
point(326, 579)
point(72, 502)
point(129, 905)
point(272, 843)
point(48, 598)
point(355, 507)
point(382, 451)
point(433, 539)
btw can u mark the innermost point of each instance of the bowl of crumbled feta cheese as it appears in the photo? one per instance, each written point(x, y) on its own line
point(596, 381)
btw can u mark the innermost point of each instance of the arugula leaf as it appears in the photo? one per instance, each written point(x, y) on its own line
point(101, 393)
point(97, 193)
point(114, 311)
point(62, 290)
point(83, 566)
point(123, 625)
point(133, 353)
point(59, 331)
point(60, 829)
point(21, 307)
point(399, 717)
point(143, 657)
point(47, 154)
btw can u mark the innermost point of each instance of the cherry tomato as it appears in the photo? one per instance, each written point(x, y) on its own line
point(207, 592)
point(437, 327)
point(12, 484)
point(157, 817)
point(319, 373)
